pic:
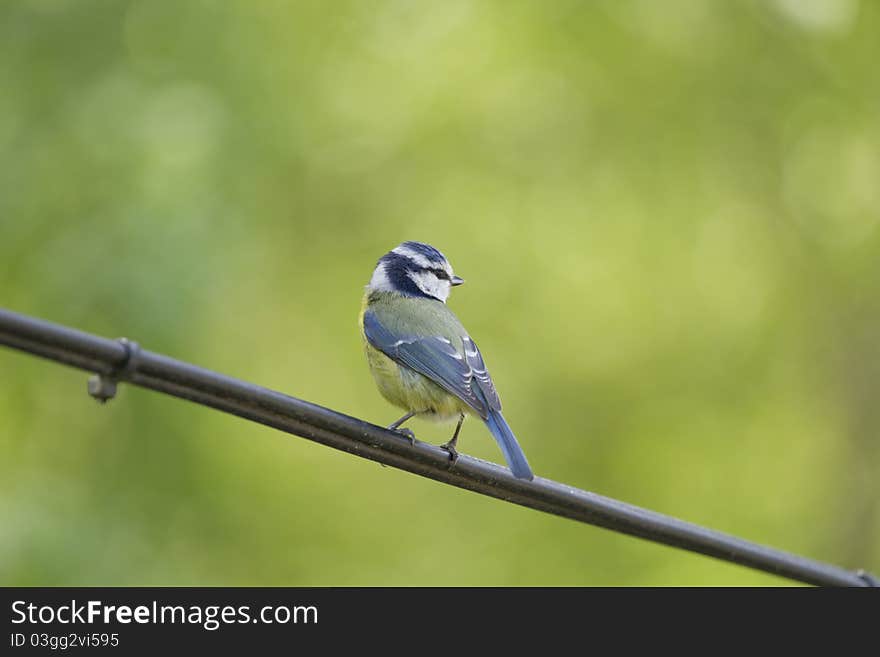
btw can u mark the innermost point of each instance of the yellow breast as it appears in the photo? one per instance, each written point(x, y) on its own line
point(406, 388)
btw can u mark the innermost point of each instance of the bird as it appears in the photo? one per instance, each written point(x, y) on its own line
point(420, 355)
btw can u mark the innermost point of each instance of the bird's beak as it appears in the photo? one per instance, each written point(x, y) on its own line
point(457, 280)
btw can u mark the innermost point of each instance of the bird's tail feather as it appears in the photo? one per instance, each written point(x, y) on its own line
point(513, 454)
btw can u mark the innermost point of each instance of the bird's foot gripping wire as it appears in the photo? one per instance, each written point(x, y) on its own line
point(450, 446)
point(103, 386)
point(408, 434)
point(403, 431)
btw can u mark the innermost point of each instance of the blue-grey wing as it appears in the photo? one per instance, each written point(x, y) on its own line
point(480, 374)
point(461, 373)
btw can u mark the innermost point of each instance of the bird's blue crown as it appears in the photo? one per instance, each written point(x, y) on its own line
point(425, 250)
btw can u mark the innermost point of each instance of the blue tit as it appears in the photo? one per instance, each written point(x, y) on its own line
point(421, 357)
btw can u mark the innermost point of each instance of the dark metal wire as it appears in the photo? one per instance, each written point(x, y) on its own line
point(122, 360)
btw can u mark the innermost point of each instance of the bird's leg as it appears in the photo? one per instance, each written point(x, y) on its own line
point(450, 446)
point(406, 433)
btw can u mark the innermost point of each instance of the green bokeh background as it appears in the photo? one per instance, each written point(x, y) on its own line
point(667, 214)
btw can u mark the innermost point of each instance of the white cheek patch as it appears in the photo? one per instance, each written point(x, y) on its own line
point(431, 285)
point(380, 281)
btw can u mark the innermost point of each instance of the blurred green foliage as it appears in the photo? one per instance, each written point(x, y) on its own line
point(667, 214)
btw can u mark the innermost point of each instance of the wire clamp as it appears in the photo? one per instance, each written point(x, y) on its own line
point(103, 386)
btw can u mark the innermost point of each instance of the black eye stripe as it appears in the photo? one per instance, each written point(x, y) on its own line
point(440, 273)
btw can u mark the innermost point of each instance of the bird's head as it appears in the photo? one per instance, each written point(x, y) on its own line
point(414, 269)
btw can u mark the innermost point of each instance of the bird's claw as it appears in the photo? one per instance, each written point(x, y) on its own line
point(408, 434)
point(453, 453)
